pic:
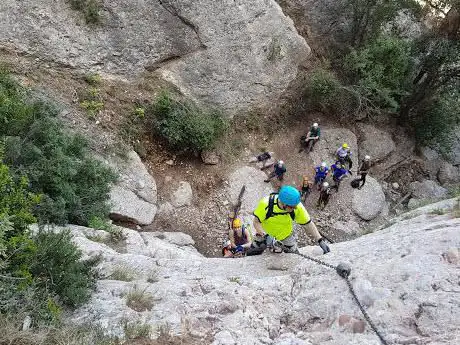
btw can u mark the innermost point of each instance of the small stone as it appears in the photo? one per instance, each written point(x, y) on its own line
point(98, 122)
point(358, 326)
point(344, 319)
point(453, 256)
point(225, 202)
point(170, 162)
point(395, 185)
point(26, 323)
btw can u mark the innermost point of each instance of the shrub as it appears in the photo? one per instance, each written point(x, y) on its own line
point(53, 263)
point(89, 8)
point(380, 70)
point(184, 125)
point(322, 90)
point(435, 123)
point(74, 186)
point(139, 300)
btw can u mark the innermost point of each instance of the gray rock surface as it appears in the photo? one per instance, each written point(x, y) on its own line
point(127, 206)
point(134, 196)
point(347, 228)
point(374, 142)
point(427, 189)
point(370, 200)
point(448, 174)
point(236, 55)
point(256, 189)
point(304, 303)
point(331, 140)
point(182, 196)
point(133, 175)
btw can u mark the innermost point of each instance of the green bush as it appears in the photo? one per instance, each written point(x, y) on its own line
point(435, 123)
point(186, 126)
point(74, 186)
point(89, 8)
point(380, 71)
point(322, 90)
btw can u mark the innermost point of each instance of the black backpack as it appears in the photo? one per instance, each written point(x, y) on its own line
point(271, 204)
point(355, 183)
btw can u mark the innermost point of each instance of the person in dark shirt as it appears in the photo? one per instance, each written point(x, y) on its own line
point(279, 170)
point(363, 169)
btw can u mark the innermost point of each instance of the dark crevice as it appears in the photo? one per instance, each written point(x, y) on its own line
point(170, 8)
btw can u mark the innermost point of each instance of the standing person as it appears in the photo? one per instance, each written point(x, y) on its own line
point(310, 138)
point(338, 173)
point(324, 195)
point(363, 169)
point(344, 155)
point(265, 158)
point(239, 239)
point(305, 188)
point(321, 172)
point(279, 170)
point(274, 216)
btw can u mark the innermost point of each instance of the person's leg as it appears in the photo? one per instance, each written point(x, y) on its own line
point(290, 244)
point(350, 162)
point(270, 176)
point(363, 179)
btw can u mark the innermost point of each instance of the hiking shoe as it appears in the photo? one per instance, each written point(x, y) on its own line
point(266, 181)
point(300, 150)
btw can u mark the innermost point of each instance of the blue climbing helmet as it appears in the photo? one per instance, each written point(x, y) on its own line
point(289, 196)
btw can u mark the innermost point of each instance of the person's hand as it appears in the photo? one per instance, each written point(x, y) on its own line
point(322, 243)
point(239, 248)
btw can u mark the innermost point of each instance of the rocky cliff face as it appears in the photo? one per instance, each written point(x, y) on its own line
point(406, 276)
point(237, 55)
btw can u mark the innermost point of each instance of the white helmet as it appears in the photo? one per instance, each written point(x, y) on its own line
point(367, 157)
point(323, 164)
point(315, 125)
point(280, 162)
point(325, 184)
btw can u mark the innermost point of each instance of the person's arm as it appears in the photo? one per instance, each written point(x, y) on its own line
point(258, 226)
point(248, 238)
point(231, 237)
point(313, 231)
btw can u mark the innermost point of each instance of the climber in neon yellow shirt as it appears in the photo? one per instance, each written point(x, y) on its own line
point(275, 214)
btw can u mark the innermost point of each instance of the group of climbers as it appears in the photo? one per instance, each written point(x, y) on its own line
point(275, 214)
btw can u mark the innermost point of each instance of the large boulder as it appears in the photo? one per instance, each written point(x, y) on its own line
point(374, 142)
point(427, 189)
point(369, 201)
point(235, 55)
point(448, 174)
point(127, 206)
point(134, 196)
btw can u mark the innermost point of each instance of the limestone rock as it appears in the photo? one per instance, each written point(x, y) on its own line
point(375, 143)
point(346, 228)
point(370, 200)
point(237, 56)
point(210, 157)
point(448, 174)
point(331, 140)
point(126, 206)
point(218, 296)
point(183, 195)
point(165, 209)
point(256, 188)
point(427, 189)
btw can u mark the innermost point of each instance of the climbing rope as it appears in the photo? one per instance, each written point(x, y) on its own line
point(344, 270)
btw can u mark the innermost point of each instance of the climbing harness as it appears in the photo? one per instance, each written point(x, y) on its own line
point(344, 271)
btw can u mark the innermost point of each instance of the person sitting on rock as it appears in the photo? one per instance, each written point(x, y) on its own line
point(239, 240)
point(344, 155)
point(305, 187)
point(339, 172)
point(363, 169)
point(309, 140)
point(278, 170)
point(321, 172)
point(265, 158)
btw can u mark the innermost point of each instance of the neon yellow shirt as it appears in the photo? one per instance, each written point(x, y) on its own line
point(278, 225)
